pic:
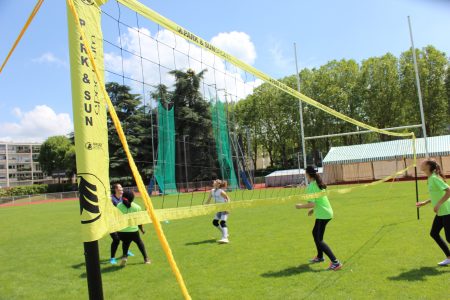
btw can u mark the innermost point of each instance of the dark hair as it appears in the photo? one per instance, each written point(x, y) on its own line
point(114, 187)
point(127, 198)
point(312, 171)
point(435, 167)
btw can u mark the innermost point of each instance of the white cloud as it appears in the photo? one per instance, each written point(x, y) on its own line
point(285, 65)
point(175, 53)
point(50, 58)
point(35, 125)
point(236, 43)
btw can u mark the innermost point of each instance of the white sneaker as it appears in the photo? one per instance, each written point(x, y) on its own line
point(223, 241)
point(445, 262)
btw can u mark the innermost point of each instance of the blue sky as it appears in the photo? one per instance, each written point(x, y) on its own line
point(35, 95)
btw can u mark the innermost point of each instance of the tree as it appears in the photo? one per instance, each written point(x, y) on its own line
point(193, 126)
point(447, 88)
point(136, 124)
point(380, 91)
point(432, 65)
point(69, 162)
point(52, 156)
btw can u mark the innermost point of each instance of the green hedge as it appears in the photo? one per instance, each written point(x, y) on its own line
point(36, 189)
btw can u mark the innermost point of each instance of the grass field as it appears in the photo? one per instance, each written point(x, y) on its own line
point(387, 253)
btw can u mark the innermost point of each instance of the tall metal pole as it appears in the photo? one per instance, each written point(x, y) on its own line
point(185, 162)
point(419, 91)
point(300, 109)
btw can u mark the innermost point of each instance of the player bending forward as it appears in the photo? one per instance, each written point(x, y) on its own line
point(220, 220)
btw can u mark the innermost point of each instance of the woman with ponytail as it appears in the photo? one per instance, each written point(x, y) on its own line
point(131, 233)
point(220, 219)
point(321, 208)
point(440, 199)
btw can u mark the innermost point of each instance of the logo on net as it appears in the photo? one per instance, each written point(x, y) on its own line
point(89, 188)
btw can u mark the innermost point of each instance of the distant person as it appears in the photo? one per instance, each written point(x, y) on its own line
point(440, 199)
point(131, 233)
point(220, 219)
point(116, 198)
point(321, 208)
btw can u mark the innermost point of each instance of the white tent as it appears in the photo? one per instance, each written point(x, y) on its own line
point(287, 177)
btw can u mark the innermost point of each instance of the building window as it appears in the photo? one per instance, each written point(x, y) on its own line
point(36, 149)
point(23, 149)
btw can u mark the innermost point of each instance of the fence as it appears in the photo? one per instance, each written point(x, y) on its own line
point(25, 199)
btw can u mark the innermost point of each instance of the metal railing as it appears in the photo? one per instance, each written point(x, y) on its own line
point(26, 199)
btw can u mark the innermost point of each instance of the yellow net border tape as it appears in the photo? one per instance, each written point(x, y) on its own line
point(140, 184)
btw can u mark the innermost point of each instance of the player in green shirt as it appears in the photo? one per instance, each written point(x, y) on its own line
point(321, 208)
point(131, 233)
point(440, 199)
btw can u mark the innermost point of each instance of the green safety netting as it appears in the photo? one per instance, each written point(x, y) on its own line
point(165, 164)
point(220, 129)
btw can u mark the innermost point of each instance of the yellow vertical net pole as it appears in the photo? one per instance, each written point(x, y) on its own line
point(22, 32)
point(140, 184)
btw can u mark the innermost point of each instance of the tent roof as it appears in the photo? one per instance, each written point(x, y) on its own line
point(290, 172)
point(437, 146)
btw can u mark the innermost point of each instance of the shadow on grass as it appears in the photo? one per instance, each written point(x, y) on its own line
point(291, 271)
point(114, 268)
point(419, 274)
point(82, 265)
point(210, 241)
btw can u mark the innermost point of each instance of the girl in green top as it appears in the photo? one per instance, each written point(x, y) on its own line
point(321, 208)
point(440, 199)
point(131, 233)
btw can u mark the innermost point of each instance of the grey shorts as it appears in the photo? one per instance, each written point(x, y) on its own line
point(221, 215)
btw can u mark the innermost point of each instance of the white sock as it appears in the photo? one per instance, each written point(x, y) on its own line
point(224, 232)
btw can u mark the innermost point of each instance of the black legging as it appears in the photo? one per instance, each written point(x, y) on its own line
point(439, 223)
point(318, 232)
point(114, 244)
point(127, 238)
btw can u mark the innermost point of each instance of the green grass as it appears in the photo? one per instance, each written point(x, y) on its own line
point(387, 253)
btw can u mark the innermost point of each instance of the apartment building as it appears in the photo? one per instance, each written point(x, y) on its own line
point(19, 165)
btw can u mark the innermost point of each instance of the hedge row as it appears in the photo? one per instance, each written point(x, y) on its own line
point(36, 189)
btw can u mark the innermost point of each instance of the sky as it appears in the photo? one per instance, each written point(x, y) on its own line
point(35, 91)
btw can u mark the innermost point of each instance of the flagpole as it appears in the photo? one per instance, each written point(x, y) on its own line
point(300, 109)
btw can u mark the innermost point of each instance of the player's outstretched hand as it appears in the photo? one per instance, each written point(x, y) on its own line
point(420, 204)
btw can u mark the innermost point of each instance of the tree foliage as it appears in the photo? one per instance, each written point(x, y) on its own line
point(55, 156)
point(380, 91)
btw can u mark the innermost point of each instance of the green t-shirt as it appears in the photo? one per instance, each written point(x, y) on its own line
point(125, 210)
point(323, 209)
point(436, 188)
